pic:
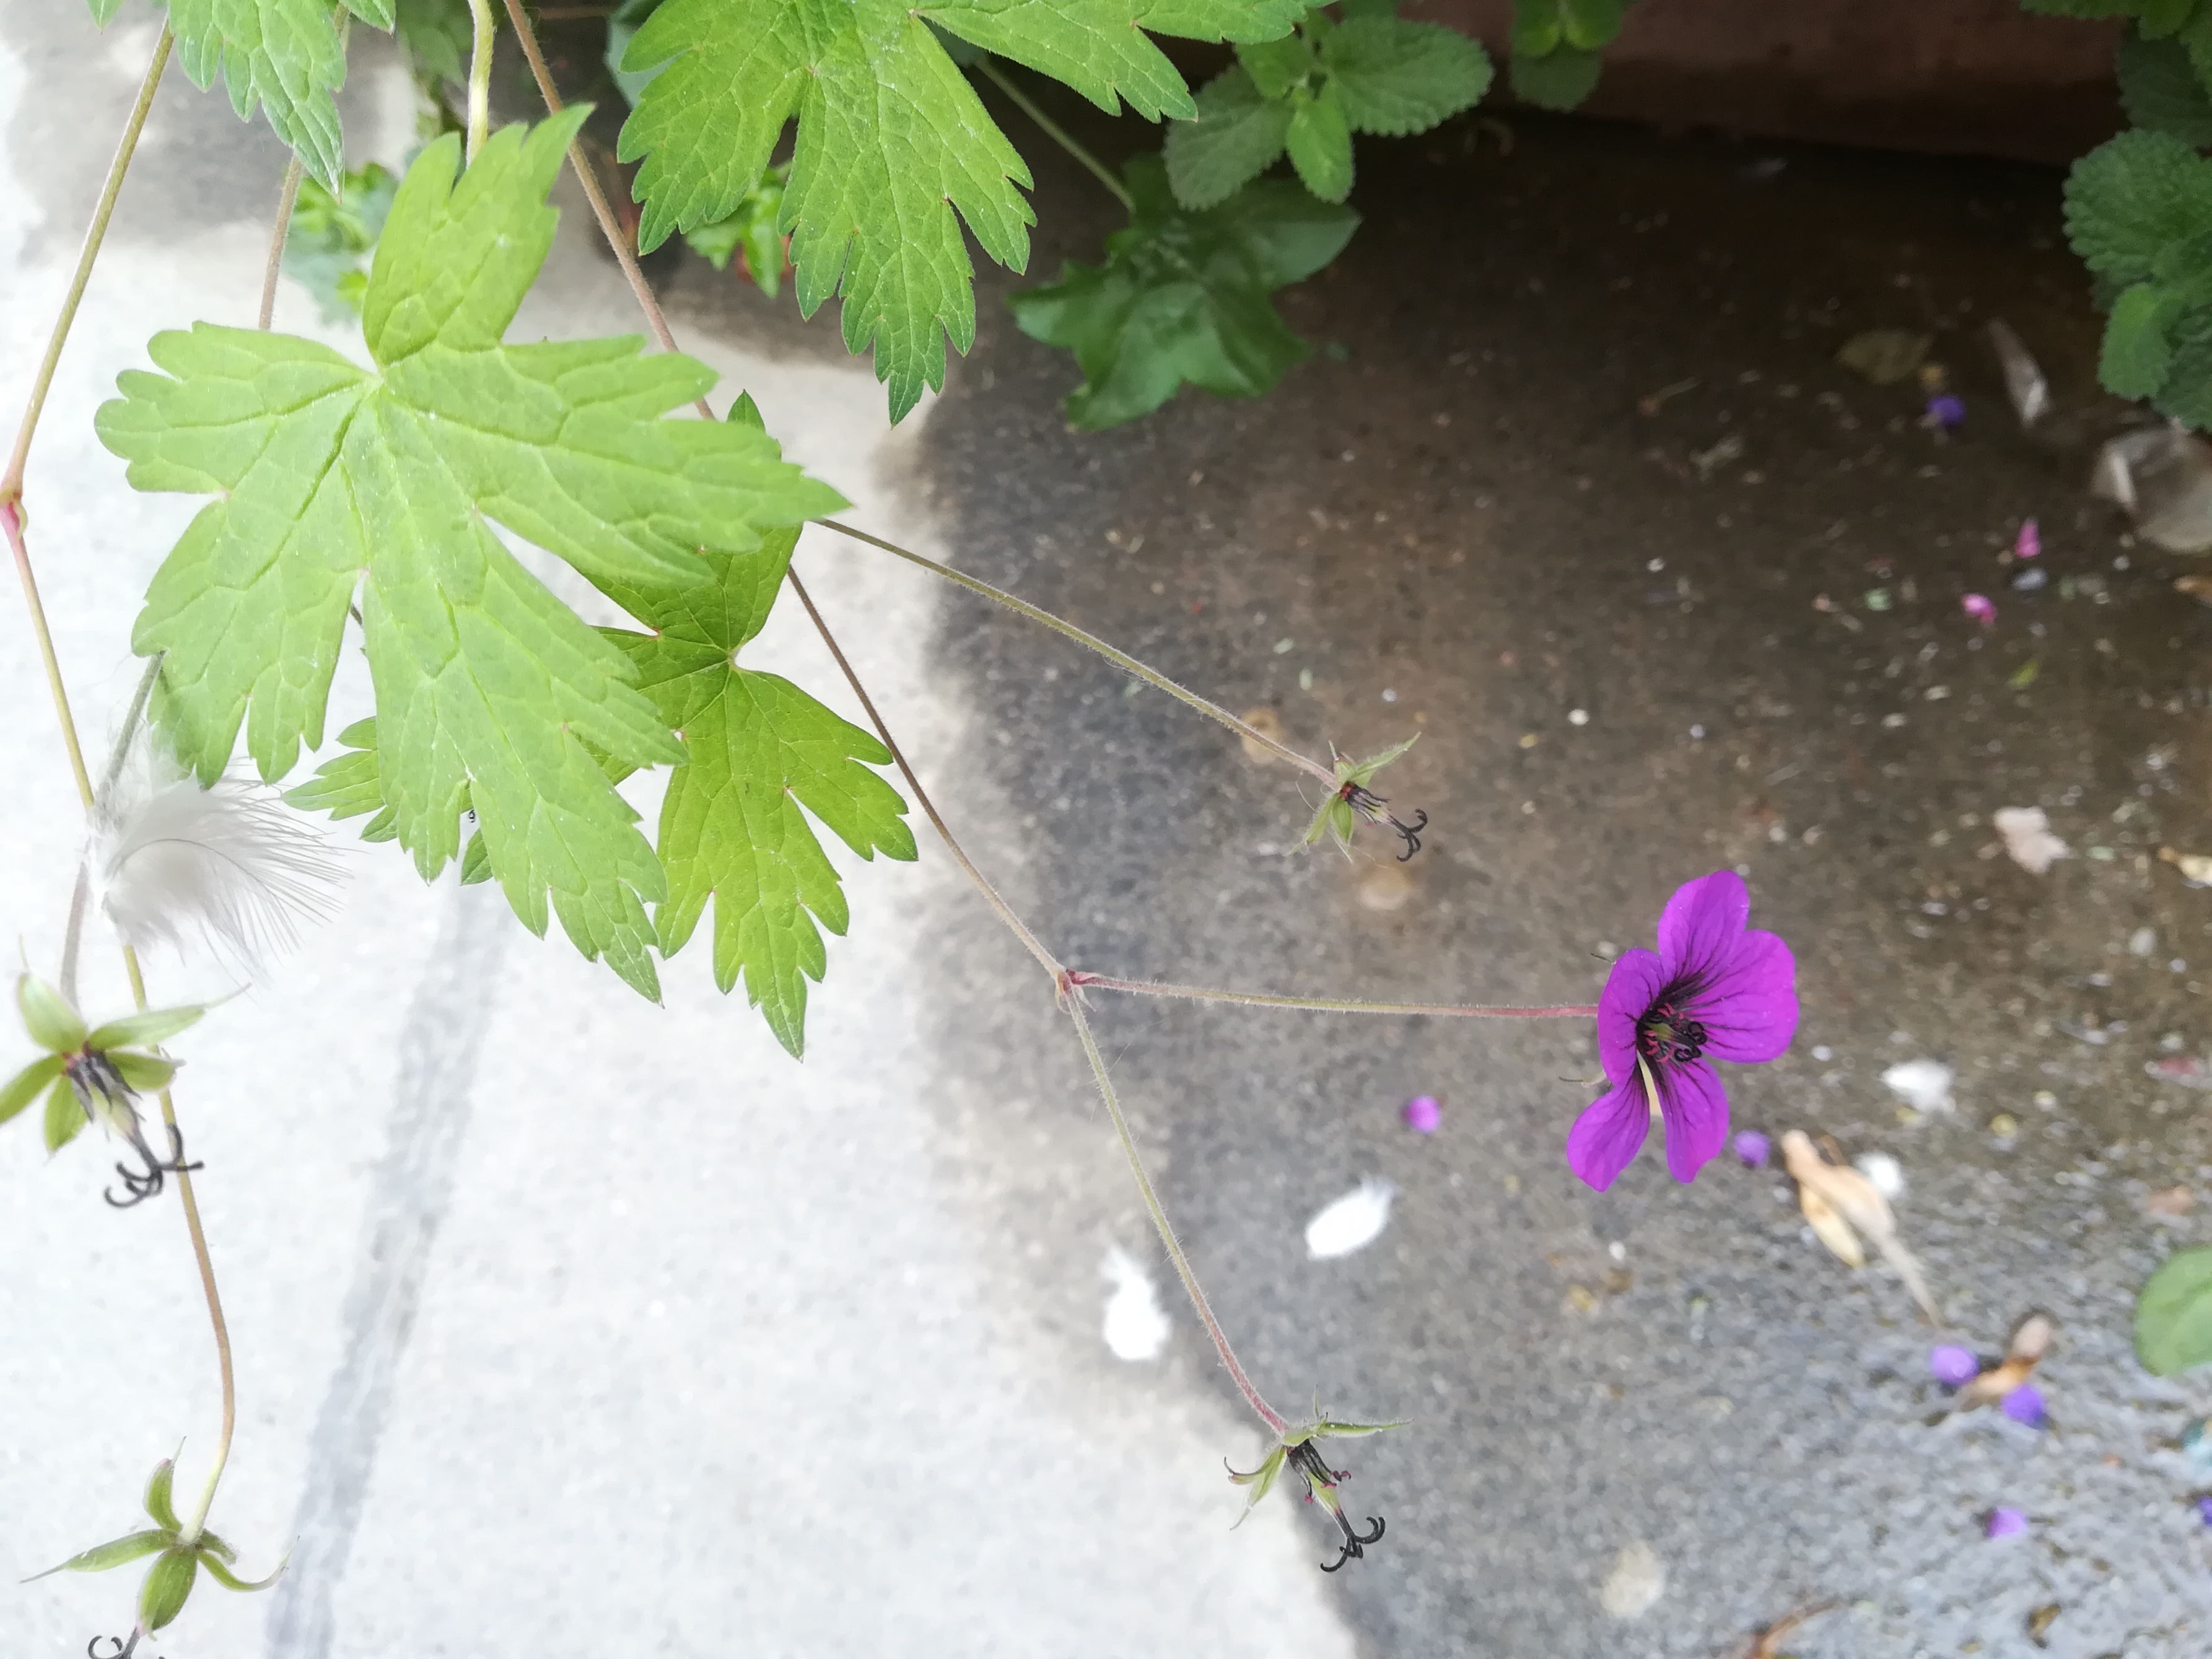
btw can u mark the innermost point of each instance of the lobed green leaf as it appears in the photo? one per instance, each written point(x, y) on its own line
point(283, 56)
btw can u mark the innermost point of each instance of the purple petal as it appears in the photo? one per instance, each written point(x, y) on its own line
point(1695, 1106)
point(1424, 1114)
point(1953, 1366)
point(1608, 1135)
point(2006, 1522)
point(2024, 1405)
point(2204, 1511)
point(1700, 926)
point(1748, 1005)
point(1630, 990)
point(1754, 1149)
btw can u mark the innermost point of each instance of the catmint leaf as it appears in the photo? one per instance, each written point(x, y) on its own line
point(52, 1024)
point(2132, 196)
point(1320, 143)
point(2173, 1313)
point(1587, 25)
point(21, 1089)
point(283, 55)
point(1183, 296)
point(894, 150)
point(160, 1502)
point(1397, 77)
point(1560, 79)
point(120, 1552)
point(2161, 91)
point(138, 1031)
point(168, 1585)
point(1234, 137)
point(2135, 352)
point(64, 1116)
point(491, 693)
point(1276, 66)
point(758, 750)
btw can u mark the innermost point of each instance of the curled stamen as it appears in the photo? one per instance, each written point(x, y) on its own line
point(1354, 1542)
point(122, 1649)
point(1412, 832)
point(143, 1185)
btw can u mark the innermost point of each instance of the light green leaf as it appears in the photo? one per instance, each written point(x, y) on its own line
point(2135, 349)
point(347, 786)
point(1330, 1426)
point(1234, 137)
point(2173, 1313)
point(438, 34)
point(52, 1024)
point(331, 232)
point(220, 1572)
point(1320, 143)
point(145, 1073)
point(1399, 77)
point(757, 750)
point(25, 1085)
point(1261, 1480)
point(141, 1030)
point(283, 55)
point(103, 11)
point(2161, 91)
point(751, 230)
point(476, 862)
point(1183, 296)
point(894, 151)
point(168, 1586)
point(159, 1502)
point(103, 1558)
point(491, 693)
point(1363, 772)
point(64, 1116)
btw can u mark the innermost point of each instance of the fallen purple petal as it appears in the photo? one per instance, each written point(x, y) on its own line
point(2024, 1405)
point(2204, 1511)
point(1982, 608)
point(1946, 410)
point(1754, 1148)
point(2029, 543)
point(2005, 1521)
point(1953, 1366)
point(1424, 1114)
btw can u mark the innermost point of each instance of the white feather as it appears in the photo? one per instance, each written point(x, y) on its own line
point(1135, 1327)
point(230, 868)
point(1353, 1222)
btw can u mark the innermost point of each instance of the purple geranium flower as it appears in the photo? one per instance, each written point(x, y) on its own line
point(1714, 991)
point(2024, 1405)
point(1423, 1113)
point(1953, 1366)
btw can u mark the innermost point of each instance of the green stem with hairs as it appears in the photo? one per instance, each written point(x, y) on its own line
point(479, 75)
point(1058, 134)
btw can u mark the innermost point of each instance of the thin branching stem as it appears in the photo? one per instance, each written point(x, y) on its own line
point(1273, 1418)
point(81, 896)
point(1058, 134)
point(602, 210)
point(1276, 1422)
point(1083, 981)
point(287, 198)
point(1120, 660)
point(480, 55)
point(12, 483)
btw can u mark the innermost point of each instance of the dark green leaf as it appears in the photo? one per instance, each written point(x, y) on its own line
point(1589, 24)
point(1398, 77)
point(1560, 79)
point(2161, 91)
point(52, 1024)
point(1276, 66)
point(141, 1030)
point(168, 1586)
point(283, 55)
point(64, 1116)
point(118, 1554)
point(1183, 296)
point(622, 28)
point(2173, 1313)
point(1320, 143)
point(25, 1086)
point(758, 750)
point(2136, 351)
point(1235, 137)
point(438, 34)
point(2128, 198)
point(158, 1502)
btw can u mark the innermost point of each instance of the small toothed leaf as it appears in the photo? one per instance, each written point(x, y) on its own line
point(1401, 78)
point(1320, 143)
point(52, 1024)
point(25, 1086)
point(1237, 136)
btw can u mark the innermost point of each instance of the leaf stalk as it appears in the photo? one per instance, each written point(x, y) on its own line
point(1058, 134)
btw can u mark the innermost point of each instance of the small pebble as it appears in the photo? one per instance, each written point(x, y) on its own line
point(1579, 717)
point(2004, 1126)
point(1423, 1113)
point(2031, 580)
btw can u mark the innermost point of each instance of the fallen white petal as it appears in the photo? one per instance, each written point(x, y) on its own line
point(1135, 1327)
point(1884, 1171)
point(1353, 1222)
point(1925, 1085)
point(1638, 1580)
point(2027, 837)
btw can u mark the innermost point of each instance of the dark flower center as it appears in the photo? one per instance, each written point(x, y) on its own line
point(1667, 1033)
